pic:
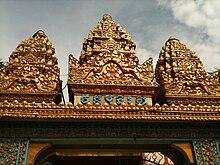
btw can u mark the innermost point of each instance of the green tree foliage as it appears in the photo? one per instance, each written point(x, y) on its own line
point(218, 73)
point(2, 64)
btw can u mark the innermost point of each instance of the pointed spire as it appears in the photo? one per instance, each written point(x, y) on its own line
point(109, 58)
point(32, 67)
point(109, 41)
point(180, 72)
point(176, 60)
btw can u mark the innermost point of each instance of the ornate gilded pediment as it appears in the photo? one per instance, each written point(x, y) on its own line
point(111, 73)
point(109, 64)
point(32, 69)
point(109, 57)
point(180, 72)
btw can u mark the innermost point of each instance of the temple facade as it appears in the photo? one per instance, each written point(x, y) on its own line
point(119, 112)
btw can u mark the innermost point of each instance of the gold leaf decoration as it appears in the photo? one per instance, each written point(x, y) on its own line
point(180, 72)
point(109, 57)
point(32, 68)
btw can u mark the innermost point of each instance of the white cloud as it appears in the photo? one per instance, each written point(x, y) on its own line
point(188, 13)
point(209, 55)
point(144, 53)
point(204, 16)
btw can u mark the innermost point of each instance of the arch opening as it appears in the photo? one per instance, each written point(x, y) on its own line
point(111, 154)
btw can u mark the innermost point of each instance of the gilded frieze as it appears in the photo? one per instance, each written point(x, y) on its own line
point(111, 129)
point(88, 111)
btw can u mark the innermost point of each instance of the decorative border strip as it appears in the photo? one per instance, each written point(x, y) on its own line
point(110, 112)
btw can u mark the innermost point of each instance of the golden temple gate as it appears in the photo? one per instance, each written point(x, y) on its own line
point(119, 111)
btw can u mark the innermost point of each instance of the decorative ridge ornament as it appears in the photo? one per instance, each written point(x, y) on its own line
point(109, 58)
point(50, 111)
point(181, 74)
point(32, 69)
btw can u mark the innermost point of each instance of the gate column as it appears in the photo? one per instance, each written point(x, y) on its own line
point(207, 152)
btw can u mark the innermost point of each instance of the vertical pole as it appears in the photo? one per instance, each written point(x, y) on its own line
point(217, 144)
point(194, 149)
point(203, 158)
point(18, 155)
point(26, 152)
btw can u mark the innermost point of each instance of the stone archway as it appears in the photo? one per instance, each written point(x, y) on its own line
point(108, 152)
point(93, 160)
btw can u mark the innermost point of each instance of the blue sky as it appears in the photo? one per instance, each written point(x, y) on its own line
point(150, 23)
